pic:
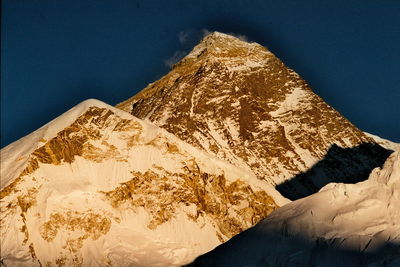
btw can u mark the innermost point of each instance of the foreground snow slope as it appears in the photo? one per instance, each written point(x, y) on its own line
point(343, 224)
point(99, 187)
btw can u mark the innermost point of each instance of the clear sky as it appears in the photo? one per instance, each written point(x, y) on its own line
point(55, 54)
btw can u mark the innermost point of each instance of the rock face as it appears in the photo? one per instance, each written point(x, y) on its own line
point(236, 100)
point(356, 224)
point(99, 187)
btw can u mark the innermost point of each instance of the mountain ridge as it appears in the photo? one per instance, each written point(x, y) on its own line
point(99, 186)
point(106, 188)
point(238, 101)
point(360, 228)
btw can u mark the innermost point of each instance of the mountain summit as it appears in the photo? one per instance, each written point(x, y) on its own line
point(99, 187)
point(238, 101)
point(215, 139)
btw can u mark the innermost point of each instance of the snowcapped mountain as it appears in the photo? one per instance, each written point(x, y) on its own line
point(343, 224)
point(238, 101)
point(99, 187)
point(215, 141)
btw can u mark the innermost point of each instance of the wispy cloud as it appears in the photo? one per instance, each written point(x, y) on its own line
point(187, 38)
point(206, 32)
point(183, 36)
point(178, 55)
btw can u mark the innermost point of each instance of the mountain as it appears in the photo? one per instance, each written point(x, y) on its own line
point(217, 143)
point(99, 187)
point(384, 142)
point(343, 224)
point(239, 102)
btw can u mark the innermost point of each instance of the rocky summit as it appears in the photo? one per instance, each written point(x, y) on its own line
point(228, 137)
point(239, 102)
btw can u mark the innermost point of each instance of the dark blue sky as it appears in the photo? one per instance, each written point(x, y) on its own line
point(55, 54)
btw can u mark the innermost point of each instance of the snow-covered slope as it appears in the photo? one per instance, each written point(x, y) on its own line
point(238, 101)
point(384, 142)
point(342, 225)
point(99, 187)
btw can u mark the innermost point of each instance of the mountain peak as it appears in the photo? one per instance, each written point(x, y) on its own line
point(238, 101)
point(98, 186)
point(213, 37)
point(220, 46)
point(97, 176)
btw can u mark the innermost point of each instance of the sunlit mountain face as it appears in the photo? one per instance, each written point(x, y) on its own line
point(224, 142)
point(239, 102)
